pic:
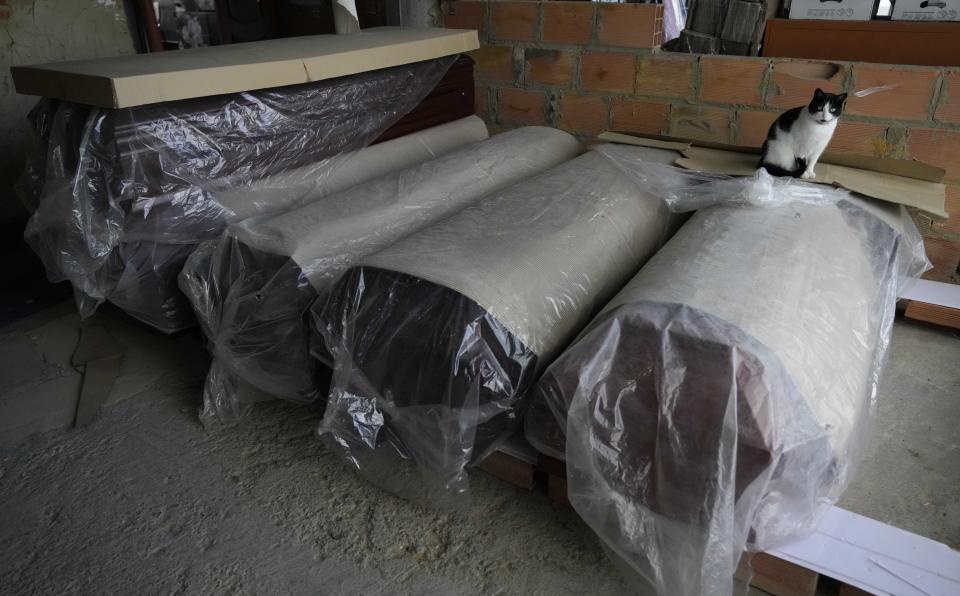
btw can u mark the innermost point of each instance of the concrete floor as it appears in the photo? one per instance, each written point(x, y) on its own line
point(143, 500)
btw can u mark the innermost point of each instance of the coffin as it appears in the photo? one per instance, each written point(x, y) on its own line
point(720, 399)
point(111, 187)
point(437, 338)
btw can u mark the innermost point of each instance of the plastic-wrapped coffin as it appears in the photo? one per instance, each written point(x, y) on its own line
point(252, 288)
point(150, 177)
point(145, 273)
point(436, 339)
point(719, 400)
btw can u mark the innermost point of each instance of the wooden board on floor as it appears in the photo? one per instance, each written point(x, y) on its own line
point(943, 316)
point(510, 469)
point(776, 576)
point(557, 489)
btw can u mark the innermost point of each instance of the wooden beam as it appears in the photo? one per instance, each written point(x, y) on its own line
point(510, 469)
point(776, 576)
point(943, 316)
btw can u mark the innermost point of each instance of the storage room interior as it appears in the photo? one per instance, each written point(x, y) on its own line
point(480, 297)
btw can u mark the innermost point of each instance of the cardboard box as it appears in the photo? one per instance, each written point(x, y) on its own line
point(126, 81)
point(926, 10)
point(832, 10)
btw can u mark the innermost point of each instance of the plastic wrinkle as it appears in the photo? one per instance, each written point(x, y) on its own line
point(685, 190)
point(116, 195)
point(720, 401)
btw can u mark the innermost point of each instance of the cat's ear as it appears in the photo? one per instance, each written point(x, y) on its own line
point(842, 98)
point(818, 93)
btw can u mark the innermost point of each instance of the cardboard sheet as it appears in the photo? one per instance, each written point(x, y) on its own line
point(911, 168)
point(926, 196)
point(906, 182)
point(126, 81)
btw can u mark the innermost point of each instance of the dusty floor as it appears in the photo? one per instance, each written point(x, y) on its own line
point(145, 501)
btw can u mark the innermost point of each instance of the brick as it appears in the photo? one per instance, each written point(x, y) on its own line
point(939, 148)
point(952, 205)
point(568, 22)
point(494, 63)
point(949, 108)
point(792, 83)
point(522, 107)
point(752, 127)
point(463, 14)
point(860, 138)
point(944, 255)
point(631, 115)
point(549, 67)
point(665, 77)
point(698, 122)
point(630, 25)
point(908, 100)
point(513, 20)
point(583, 114)
point(607, 71)
point(732, 80)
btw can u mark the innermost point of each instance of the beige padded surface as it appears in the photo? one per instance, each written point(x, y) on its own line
point(327, 236)
point(304, 185)
point(544, 255)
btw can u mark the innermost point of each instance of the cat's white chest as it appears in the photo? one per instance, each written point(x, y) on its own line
point(810, 139)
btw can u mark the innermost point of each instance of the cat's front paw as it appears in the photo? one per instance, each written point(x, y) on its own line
point(809, 175)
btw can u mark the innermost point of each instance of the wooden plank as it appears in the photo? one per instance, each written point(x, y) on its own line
point(510, 469)
point(557, 489)
point(742, 20)
point(886, 42)
point(552, 466)
point(776, 576)
point(943, 316)
point(848, 590)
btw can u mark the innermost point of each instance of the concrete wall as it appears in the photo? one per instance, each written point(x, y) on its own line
point(33, 31)
point(587, 67)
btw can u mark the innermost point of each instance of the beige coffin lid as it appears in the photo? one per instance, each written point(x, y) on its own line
point(126, 81)
point(907, 182)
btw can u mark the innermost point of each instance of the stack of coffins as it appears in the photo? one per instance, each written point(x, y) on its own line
point(252, 288)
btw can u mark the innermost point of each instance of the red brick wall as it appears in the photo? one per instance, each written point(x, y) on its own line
point(587, 67)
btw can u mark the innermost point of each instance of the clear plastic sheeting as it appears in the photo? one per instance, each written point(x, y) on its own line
point(685, 190)
point(251, 289)
point(721, 399)
point(147, 181)
point(437, 338)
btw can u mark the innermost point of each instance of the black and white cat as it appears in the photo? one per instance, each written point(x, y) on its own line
point(799, 136)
